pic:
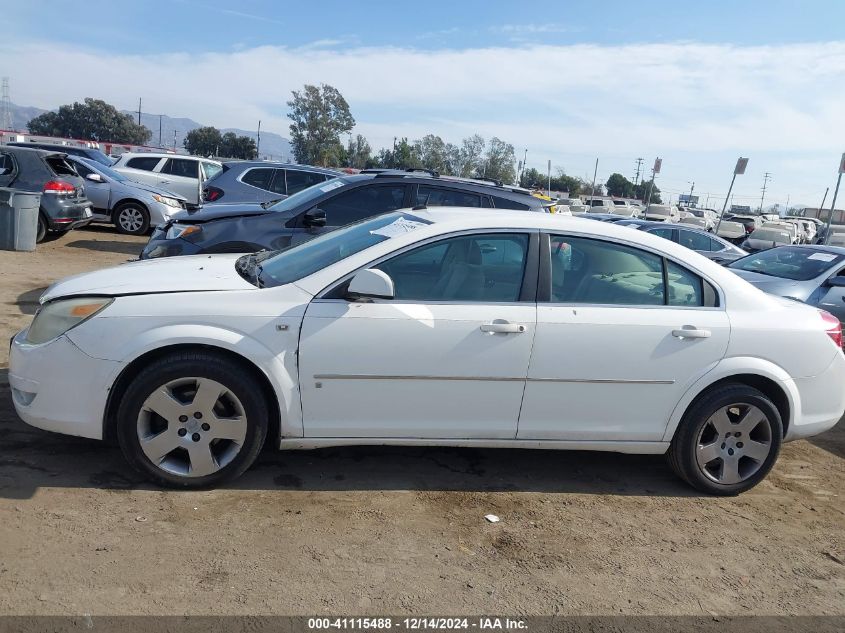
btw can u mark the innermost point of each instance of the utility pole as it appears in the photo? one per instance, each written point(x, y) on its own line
point(524, 161)
point(786, 208)
point(174, 139)
point(258, 141)
point(741, 164)
point(691, 189)
point(766, 178)
point(637, 175)
point(5, 106)
point(835, 194)
point(593, 188)
point(139, 110)
point(159, 130)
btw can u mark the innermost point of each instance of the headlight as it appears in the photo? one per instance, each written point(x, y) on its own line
point(170, 202)
point(57, 317)
point(182, 230)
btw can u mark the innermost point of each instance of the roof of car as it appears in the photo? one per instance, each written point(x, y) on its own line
point(33, 150)
point(232, 164)
point(167, 155)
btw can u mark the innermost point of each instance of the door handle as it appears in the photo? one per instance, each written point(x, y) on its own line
point(502, 328)
point(690, 331)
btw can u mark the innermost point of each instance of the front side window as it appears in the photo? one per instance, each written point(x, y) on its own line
point(437, 197)
point(146, 163)
point(260, 177)
point(484, 268)
point(297, 180)
point(362, 202)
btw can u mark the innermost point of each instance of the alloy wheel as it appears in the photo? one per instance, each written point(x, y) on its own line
point(734, 443)
point(131, 219)
point(192, 427)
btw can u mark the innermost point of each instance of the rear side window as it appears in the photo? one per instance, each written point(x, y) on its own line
point(147, 163)
point(694, 241)
point(7, 168)
point(361, 203)
point(661, 232)
point(181, 167)
point(589, 271)
point(507, 203)
point(437, 197)
point(716, 246)
point(211, 170)
point(298, 180)
point(60, 166)
point(260, 177)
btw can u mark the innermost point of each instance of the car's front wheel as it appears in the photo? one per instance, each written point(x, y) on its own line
point(192, 420)
point(728, 440)
point(132, 218)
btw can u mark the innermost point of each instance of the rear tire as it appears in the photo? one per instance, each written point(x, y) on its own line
point(192, 420)
point(727, 441)
point(131, 218)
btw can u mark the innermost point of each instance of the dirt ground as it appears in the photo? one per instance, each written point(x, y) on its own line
point(394, 530)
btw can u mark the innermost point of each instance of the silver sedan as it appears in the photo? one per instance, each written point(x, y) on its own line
point(133, 207)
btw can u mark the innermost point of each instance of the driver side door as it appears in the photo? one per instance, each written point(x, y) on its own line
point(446, 357)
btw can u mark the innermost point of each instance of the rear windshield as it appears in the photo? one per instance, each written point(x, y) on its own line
point(789, 262)
point(771, 235)
point(657, 210)
point(329, 248)
point(306, 195)
point(60, 166)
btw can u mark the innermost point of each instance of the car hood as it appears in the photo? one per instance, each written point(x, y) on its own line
point(775, 285)
point(220, 210)
point(168, 274)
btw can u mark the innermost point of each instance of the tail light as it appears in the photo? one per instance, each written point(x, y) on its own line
point(833, 327)
point(58, 186)
point(212, 194)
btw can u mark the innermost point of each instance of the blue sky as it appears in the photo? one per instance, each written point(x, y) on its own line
point(697, 83)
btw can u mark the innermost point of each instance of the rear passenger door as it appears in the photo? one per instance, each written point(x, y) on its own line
point(182, 176)
point(619, 341)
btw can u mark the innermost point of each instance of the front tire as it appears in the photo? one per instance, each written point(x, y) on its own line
point(727, 441)
point(192, 420)
point(132, 218)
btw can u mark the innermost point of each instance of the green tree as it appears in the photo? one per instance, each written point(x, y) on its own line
point(642, 192)
point(467, 161)
point(620, 187)
point(319, 115)
point(359, 153)
point(500, 161)
point(562, 182)
point(433, 153)
point(234, 146)
point(204, 141)
point(95, 120)
point(532, 178)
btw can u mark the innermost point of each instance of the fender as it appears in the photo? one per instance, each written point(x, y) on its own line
point(734, 366)
point(280, 368)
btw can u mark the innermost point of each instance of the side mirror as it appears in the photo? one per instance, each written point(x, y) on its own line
point(314, 217)
point(836, 282)
point(94, 177)
point(370, 284)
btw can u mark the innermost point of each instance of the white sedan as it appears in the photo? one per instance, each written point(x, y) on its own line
point(440, 327)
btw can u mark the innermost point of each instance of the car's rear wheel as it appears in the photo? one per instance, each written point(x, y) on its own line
point(192, 420)
point(727, 441)
point(132, 218)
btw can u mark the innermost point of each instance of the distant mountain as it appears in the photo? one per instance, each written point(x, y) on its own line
point(273, 146)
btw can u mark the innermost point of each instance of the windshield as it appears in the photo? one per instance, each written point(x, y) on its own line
point(658, 210)
point(329, 248)
point(313, 192)
point(98, 157)
point(789, 262)
point(106, 171)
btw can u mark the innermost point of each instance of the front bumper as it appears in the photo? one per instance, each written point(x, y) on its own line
point(57, 387)
point(159, 246)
